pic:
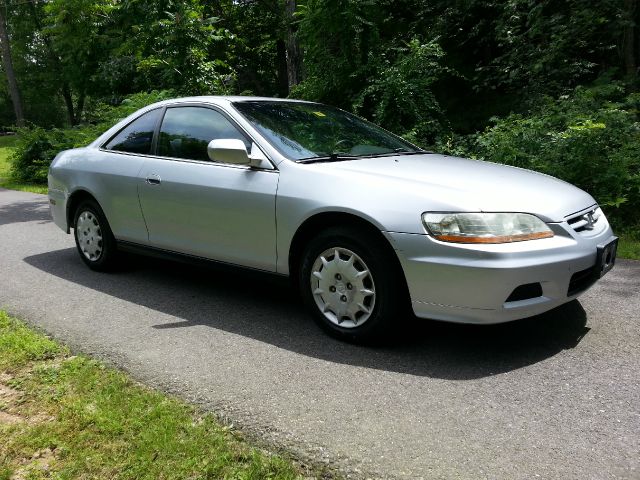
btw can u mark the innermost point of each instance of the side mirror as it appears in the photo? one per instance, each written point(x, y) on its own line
point(234, 151)
point(228, 150)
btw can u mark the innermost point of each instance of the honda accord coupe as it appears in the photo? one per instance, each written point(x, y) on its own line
point(367, 225)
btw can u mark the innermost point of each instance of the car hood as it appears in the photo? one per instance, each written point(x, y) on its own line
point(471, 185)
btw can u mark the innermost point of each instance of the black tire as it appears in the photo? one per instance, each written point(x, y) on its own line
point(390, 307)
point(97, 224)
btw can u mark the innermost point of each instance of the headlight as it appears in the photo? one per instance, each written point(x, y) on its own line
point(485, 227)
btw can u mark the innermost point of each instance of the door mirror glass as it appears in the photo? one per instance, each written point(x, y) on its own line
point(228, 150)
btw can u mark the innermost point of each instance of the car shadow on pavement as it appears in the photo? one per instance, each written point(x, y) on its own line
point(25, 211)
point(266, 308)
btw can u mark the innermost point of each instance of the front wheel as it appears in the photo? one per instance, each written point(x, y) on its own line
point(94, 240)
point(352, 285)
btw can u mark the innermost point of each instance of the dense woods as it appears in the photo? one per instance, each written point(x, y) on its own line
point(550, 85)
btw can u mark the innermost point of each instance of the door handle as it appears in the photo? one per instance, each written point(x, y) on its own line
point(154, 179)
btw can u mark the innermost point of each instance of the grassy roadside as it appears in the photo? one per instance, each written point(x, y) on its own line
point(64, 416)
point(629, 245)
point(7, 143)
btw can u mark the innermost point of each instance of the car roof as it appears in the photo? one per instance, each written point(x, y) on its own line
point(225, 99)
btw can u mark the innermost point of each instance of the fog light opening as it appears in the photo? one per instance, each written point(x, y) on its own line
point(525, 292)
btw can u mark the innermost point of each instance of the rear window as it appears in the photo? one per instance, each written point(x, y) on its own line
point(137, 136)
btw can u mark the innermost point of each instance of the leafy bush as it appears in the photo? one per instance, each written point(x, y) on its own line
point(400, 94)
point(590, 138)
point(37, 147)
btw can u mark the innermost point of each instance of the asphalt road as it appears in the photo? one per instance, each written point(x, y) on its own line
point(556, 396)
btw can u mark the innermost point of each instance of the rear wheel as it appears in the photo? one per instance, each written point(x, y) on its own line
point(352, 285)
point(94, 239)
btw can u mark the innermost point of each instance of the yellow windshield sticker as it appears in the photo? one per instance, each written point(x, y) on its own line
point(319, 114)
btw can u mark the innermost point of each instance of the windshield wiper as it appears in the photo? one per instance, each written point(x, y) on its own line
point(396, 152)
point(340, 157)
point(401, 151)
point(334, 157)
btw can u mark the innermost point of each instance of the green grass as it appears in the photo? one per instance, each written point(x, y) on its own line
point(68, 417)
point(629, 245)
point(7, 144)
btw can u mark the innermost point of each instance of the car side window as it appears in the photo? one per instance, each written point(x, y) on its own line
point(137, 136)
point(186, 132)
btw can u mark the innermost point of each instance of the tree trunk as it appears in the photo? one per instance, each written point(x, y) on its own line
point(283, 69)
point(294, 55)
point(80, 106)
point(7, 63)
point(68, 101)
point(629, 39)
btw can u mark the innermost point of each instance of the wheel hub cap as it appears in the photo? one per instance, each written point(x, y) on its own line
point(343, 287)
point(89, 235)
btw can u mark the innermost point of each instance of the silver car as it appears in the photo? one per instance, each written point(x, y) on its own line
point(365, 223)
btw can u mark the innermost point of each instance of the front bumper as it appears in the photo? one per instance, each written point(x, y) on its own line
point(471, 283)
point(58, 207)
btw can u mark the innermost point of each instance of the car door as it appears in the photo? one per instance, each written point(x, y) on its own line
point(194, 206)
point(116, 176)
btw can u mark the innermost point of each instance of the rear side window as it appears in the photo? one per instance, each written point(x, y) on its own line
point(136, 137)
point(186, 132)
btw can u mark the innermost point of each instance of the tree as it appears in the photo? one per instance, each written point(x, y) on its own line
point(7, 63)
point(294, 54)
point(260, 56)
point(177, 45)
point(75, 33)
point(629, 39)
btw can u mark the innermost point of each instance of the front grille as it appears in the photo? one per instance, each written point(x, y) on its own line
point(581, 280)
point(585, 221)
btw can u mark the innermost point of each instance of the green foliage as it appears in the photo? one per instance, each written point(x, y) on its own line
point(37, 147)
point(7, 147)
point(590, 138)
point(20, 345)
point(629, 245)
point(549, 46)
point(350, 63)
point(340, 39)
point(175, 47)
point(258, 56)
point(74, 30)
point(108, 114)
point(401, 91)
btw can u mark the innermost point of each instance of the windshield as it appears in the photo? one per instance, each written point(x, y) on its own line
point(303, 131)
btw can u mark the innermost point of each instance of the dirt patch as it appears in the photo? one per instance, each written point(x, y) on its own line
point(7, 394)
point(40, 418)
point(39, 462)
point(8, 397)
point(9, 419)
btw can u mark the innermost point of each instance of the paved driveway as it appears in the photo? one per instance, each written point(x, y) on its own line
point(557, 396)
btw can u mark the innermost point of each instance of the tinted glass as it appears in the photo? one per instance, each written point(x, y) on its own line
point(136, 137)
point(308, 130)
point(186, 132)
